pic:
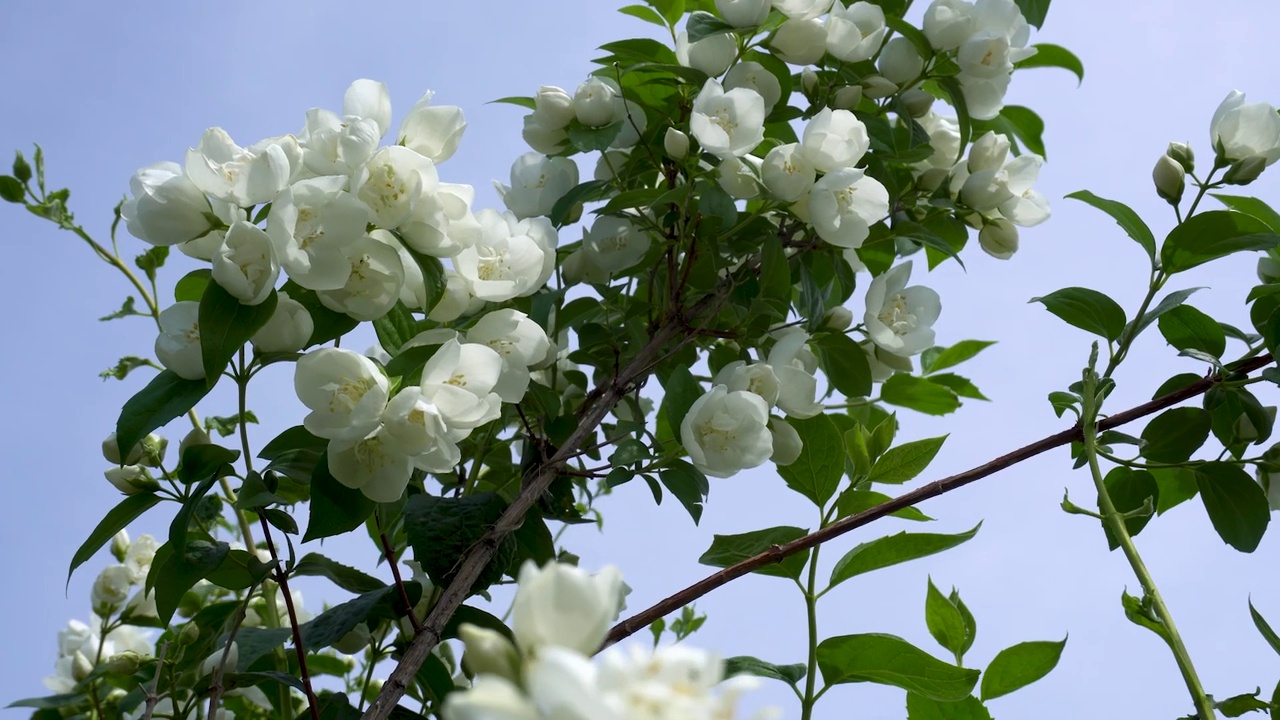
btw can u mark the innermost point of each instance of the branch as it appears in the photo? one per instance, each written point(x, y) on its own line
point(777, 553)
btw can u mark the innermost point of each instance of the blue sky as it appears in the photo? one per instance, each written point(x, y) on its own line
point(107, 88)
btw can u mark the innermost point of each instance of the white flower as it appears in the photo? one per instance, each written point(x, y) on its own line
point(111, 590)
point(520, 341)
point(139, 556)
point(729, 123)
point(844, 204)
point(679, 679)
point(834, 139)
point(513, 258)
point(142, 606)
point(240, 176)
point(553, 107)
point(634, 123)
point(562, 605)
point(900, 319)
point(757, 378)
point(613, 244)
point(490, 697)
point(900, 62)
point(1241, 130)
point(854, 33)
point(753, 76)
point(344, 390)
point(537, 183)
point(1025, 206)
point(130, 479)
point(457, 298)
point(595, 103)
point(178, 344)
point(245, 265)
point(675, 144)
point(725, 431)
point(203, 247)
point(712, 54)
point(984, 96)
point(999, 238)
point(988, 184)
point(739, 177)
point(288, 330)
point(944, 138)
point(489, 652)
point(787, 172)
point(166, 208)
point(375, 276)
point(391, 183)
point(333, 145)
point(797, 387)
point(802, 9)
point(787, 444)
point(366, 98)
point(800, 41)
point(432, 131)
point(311, 226)
point(744, 13)
point(375, 465)
point(459, 380)
point(544, 139)
point(948, 23)
point(611, 163)
point(441, 223)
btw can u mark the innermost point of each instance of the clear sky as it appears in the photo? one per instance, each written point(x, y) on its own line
point(109, 87)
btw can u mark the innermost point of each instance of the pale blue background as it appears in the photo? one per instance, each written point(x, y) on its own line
point(108, 87)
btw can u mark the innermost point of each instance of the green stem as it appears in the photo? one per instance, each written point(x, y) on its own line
point(810, 697)
point(1156, 282)
point(1113, 520)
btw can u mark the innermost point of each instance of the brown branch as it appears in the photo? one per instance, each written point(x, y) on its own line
point(777, 553)
point(390, 554)
point(282, 579)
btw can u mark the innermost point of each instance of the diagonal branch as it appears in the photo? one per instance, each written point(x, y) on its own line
point(777, 553)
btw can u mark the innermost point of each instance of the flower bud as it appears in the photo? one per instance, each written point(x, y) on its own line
point(595, 103)
point(918, 102)
point(372, 688)
point(1268, 269)
point(1170, 179)
point(111, 451)
point(190, 633)
point(153, 448)
point(553, 107)
point(787, 444)
point(848, 97)
point(125, 663)
point(932, 179)
point(131, 479)
point(544, 139)
point(110, 590)
point(744, 13)
point(838, 319)
point(354, 641)
point(80, 666)
point(1183, 154)
point(489, 652)
point(999, 238)
point(900, 62)
point(1245, 171)
point(876, 87)
point(120, 545)
point(808, 81)
point(288, 330)
point(195, 437)
point(676, 144)
point(800, 42)
point(712, 54)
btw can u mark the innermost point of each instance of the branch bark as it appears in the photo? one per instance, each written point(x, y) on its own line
point(777, 553)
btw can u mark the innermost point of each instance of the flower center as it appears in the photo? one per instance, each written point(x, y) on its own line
point(897, 316)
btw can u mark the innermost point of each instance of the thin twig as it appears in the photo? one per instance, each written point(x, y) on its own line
point(390, 554)
point(152, 695)
point(777, 553)
point(215, 680)
point(282, 579)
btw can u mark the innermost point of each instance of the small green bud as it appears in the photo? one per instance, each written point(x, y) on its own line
point(1245, 171)
point(1183, 155)
point(21, 169)
point(1170, 179)
point(153, 448)
point(918, 102)
point(876, 87)
point(125, 663)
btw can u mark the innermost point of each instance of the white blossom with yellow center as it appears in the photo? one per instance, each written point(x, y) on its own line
point(392, 182)
point(345, 391)
point(899, 319)
point(727, 431)
point(311, 225)
point(844, 204)
point(178, 344)
point(727, 124)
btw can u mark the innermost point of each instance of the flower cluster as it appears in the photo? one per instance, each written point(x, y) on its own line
point(560, 616)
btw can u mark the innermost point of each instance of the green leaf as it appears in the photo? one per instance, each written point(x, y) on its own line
point(1211, 235)
point(775, 271)
point(1049, 55)
point(191, 287)
point(116, 519)
point(671, 10)
point(1238, 705)
point(893, 550)
point(954, 355)
point(164, 398)
point(48, 702)
point(919, 394)
point(854, 501)
point(1034, 11)
point(845, 364)
point(226, 325)
point(747, 665)
point(225, 425)
point(335, 508)
point(1130, 490)
point(1237, 505)
point(12, 189)
point(961, 386)
point(177, 572)
point(329, 626)
point(518, 100)
point(152, 260)
point(1175, 435)
point(703, 24)
point(688, 484)
point(1170, 301)
point(239, 570)
point(1020, 665)
point(816, 473)
point(591, 139)
point(1177, 485)
point(681, 392)
point(127, 309)
point(644, 13)
point(1187, 328)
point(1128, 220)
point(1086, 309)
point(588, 191)
point(1263, 627)
point(441, 530)
point(327, 324)
point(728, 550)
point(944, 620)
point(1252, 207)
point(395, 328)
point(126, 365)
point(890, 660)
point(21, 168)
point(920, 707)
point(904, 462)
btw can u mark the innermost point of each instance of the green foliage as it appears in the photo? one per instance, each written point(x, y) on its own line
point(1020, 665)
point(892, 550)
point(1212, 235)
point(890, 660)
point(747, 665)
point(727, 550)
point(1237, 505)
point(817, 472)
point(441, 530)
point(1128, 220)
point(1175, 435)
point(1086, 309)
point(164, 398)
point(335, 508)
point(904, 462)
point(226, 325)
point(1050, 55)
point(117, 519)
point(924, 395)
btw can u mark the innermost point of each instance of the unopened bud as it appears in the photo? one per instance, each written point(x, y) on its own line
point(354, 641)
point(918, 102)
point(1183, 155)
point(125, 663)
point(195, 437)
point(120, 545)
point(1245, 171)
point(489, 652)
point(80, 667)
point(371, 689)
point(876, 87)
point(131, 479)
point(848, 97)
point(676, 144)
point(932, 179)
point(190, 633)
point(1268, 269)
point(1170, 179)
point(111, 452)
point(153, 448)
point(808, 81)
point(838, 318)
point(999, 238)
